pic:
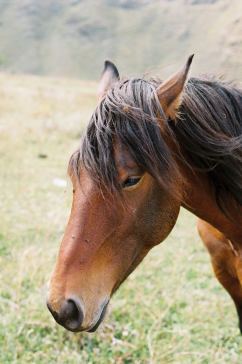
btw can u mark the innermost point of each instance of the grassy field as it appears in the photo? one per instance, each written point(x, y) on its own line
point(170, 310)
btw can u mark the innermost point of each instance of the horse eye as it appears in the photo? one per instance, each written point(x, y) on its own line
point(130, 181)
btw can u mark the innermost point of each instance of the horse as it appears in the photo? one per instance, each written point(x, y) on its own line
point(149, 148)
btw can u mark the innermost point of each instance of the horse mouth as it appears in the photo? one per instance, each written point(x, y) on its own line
point(103, 313)
point(94, 327)
point(90, 328)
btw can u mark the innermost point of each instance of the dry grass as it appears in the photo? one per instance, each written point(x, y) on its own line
point(171, 309)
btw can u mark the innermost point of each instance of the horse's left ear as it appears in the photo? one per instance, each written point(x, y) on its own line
point(109, 77)
point(170, 91)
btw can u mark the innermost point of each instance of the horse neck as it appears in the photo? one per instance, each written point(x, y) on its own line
point(199, 198)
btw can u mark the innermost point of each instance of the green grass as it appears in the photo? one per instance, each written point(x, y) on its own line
point(170, 310)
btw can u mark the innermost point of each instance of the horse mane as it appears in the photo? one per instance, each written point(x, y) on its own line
point(208, 128)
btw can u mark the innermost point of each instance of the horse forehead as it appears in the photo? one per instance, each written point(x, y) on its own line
point(83, 182)
point(123, 159)
point(85, 193)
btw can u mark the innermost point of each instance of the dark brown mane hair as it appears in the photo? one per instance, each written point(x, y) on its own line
point(128, 115)
point(208, 128)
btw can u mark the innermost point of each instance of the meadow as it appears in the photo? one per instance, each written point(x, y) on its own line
point(170, 310)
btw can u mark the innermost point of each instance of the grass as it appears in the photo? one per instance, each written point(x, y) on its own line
point(170, 310)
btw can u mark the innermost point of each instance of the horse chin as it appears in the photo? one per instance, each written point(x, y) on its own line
point(97, 324)
point(94, 326)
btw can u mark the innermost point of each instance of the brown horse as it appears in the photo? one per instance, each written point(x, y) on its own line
point(149, 148)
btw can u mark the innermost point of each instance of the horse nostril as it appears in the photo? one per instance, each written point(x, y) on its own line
point(71, 315)
point(53, 313)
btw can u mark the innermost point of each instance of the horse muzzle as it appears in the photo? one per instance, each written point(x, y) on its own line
point(71, 315)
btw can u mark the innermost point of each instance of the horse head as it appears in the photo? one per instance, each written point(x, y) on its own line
point(126, 195)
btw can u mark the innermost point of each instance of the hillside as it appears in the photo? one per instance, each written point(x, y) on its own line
point(73, 37)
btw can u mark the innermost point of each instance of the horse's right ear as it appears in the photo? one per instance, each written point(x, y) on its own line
point(109, 77)
point(170, 91)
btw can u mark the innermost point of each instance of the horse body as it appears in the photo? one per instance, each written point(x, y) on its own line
point(139, 161)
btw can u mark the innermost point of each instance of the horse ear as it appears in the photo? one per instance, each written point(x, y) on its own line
point(109, 77)
point(170, 91)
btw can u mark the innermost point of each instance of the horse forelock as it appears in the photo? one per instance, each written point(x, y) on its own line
point(129, 114)
point(208, 127)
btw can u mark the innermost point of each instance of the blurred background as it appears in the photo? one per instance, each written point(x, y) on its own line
point(171, 309)
point(73, 37)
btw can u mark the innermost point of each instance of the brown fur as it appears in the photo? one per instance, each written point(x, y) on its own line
point(105, 240)
point(226, 262)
